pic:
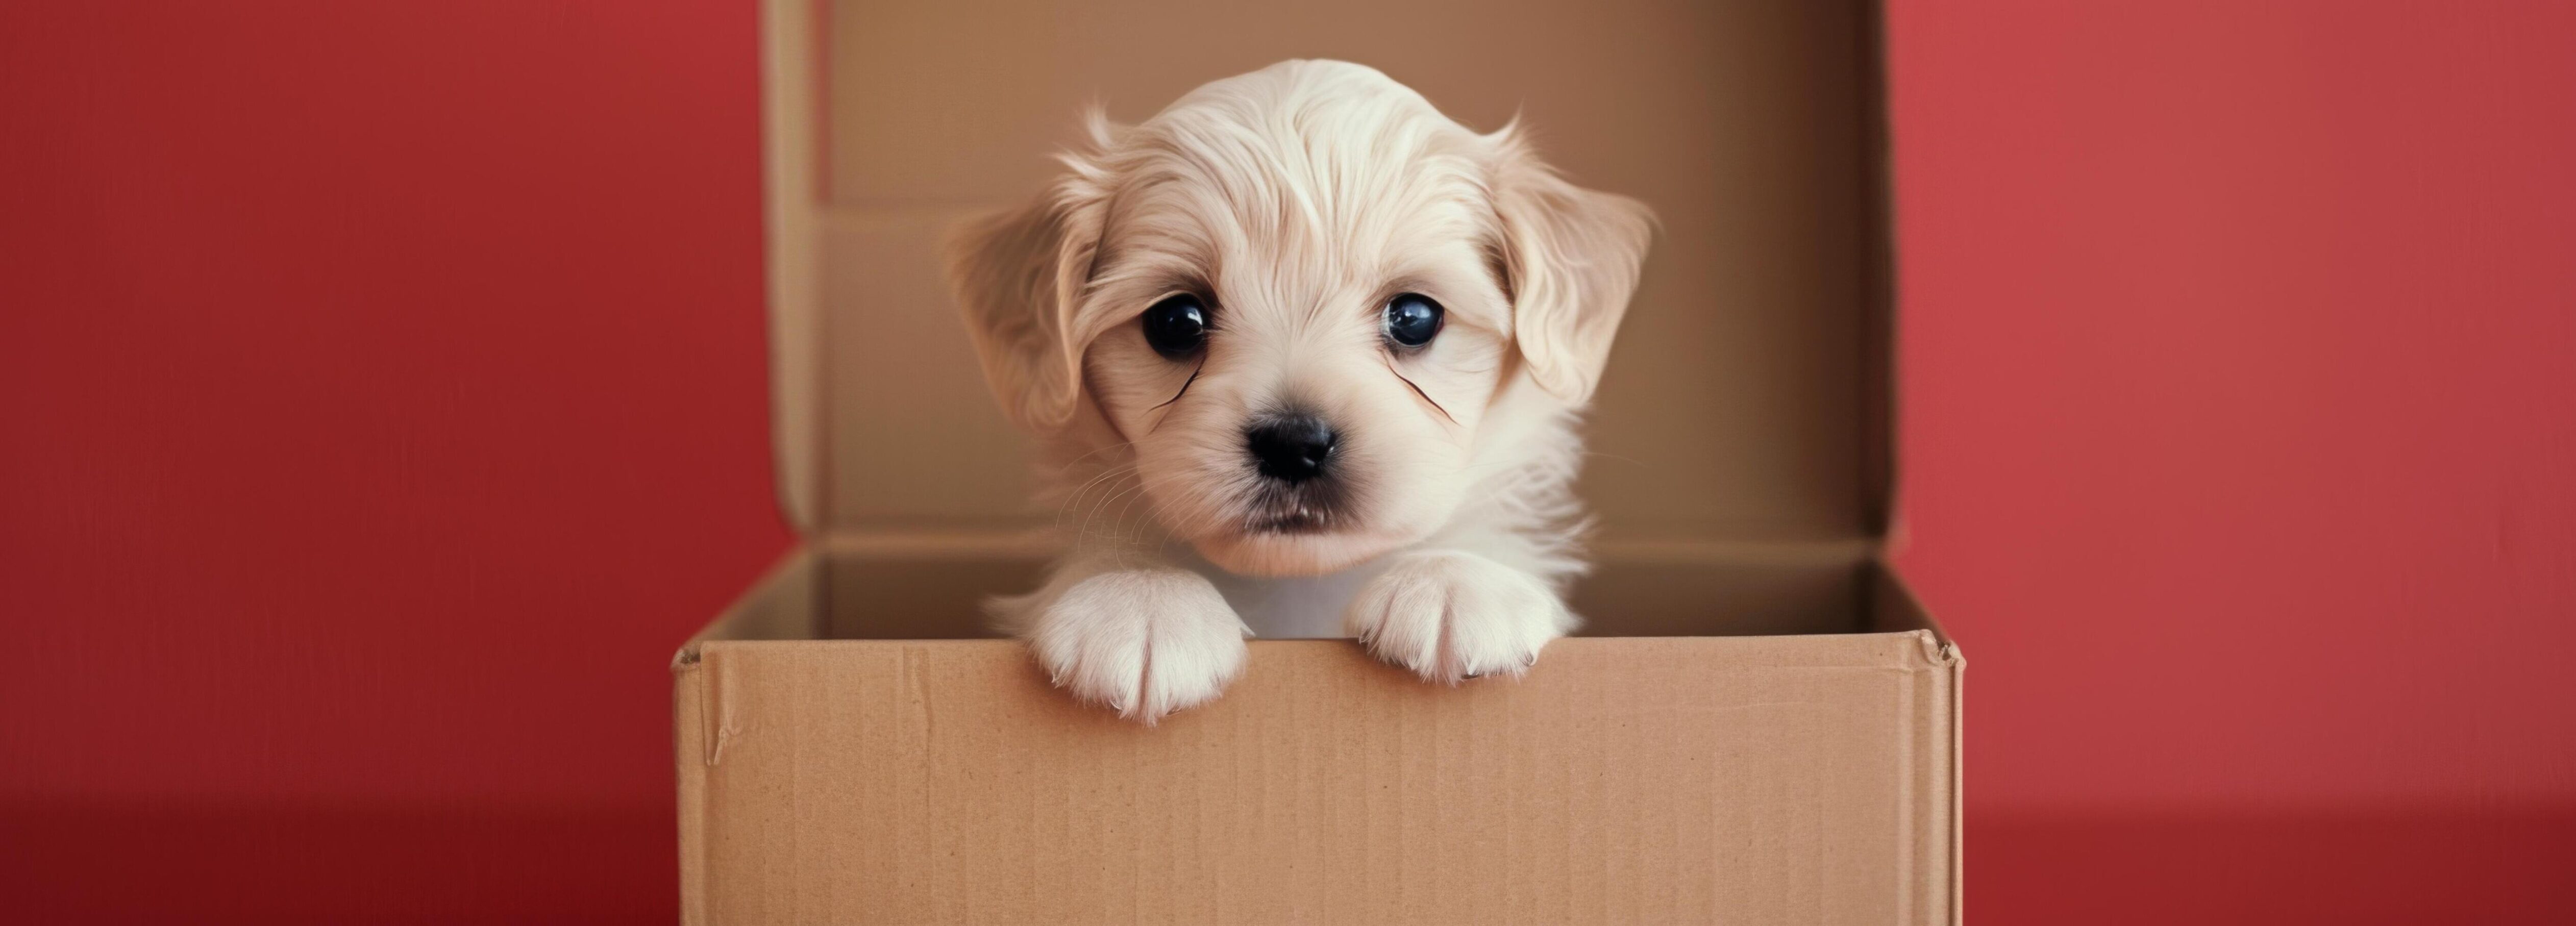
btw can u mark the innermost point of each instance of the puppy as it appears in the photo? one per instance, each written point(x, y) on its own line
point(1328, 347)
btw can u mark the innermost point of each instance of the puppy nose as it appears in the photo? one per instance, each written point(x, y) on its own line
point(1292, 449)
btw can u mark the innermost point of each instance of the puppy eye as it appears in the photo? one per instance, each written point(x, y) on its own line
point(1177, 326)
point(1412, 319)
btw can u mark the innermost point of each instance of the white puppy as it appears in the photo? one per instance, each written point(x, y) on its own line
point(1333, 344)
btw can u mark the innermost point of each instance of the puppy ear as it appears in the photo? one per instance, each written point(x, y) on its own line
point(1019, 277)
point(1569, 258)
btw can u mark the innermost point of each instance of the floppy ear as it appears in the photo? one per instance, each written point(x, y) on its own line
point(1569, 258)
point(1019, 276)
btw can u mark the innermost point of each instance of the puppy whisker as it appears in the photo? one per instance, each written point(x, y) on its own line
point(1068, 465)
point(1426, 397)
point(1104, 478)
point(1086, 537)
point(1081, 534)
point(1125, 539)
point(1185, 390)
point(1185, 385)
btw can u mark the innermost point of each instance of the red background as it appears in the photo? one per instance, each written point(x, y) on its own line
point(352, 352)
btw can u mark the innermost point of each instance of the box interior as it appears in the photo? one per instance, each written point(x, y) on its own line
point(1741, 463)
point(826, 594)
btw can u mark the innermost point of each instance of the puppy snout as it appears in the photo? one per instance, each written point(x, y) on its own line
point(1292, 448)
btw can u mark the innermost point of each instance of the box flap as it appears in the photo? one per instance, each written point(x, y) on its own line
point(792, 187)
point(1746, 401)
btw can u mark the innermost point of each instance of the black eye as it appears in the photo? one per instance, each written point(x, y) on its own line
point(1411, 319)
point(1176, 326)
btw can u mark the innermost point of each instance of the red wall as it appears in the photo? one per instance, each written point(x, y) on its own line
point(355, 352)
point(2240, 368)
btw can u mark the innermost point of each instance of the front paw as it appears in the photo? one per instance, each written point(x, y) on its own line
point(1449, 616)
point(1145, 642)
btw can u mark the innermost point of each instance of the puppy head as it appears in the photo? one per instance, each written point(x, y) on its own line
point(1295, 295)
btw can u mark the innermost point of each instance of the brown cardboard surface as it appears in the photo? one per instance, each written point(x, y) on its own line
point(1760, 724)
point(1625, 780)
point(1805, 778)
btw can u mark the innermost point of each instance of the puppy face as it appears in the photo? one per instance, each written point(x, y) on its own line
point(1293, 299)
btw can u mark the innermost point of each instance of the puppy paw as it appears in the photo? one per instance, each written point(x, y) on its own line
point(1449, 616)
point(1144, 642)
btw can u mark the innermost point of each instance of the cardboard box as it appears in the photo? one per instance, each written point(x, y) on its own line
point(1759, 724)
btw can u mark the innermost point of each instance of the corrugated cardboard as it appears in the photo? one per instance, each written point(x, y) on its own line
point(1758, 726)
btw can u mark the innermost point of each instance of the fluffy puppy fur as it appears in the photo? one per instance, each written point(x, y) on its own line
point(1286, 213)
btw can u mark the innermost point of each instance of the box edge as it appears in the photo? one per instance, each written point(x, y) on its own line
point(688, 735)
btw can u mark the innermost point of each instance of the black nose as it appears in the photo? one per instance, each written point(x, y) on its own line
point(1291, 449)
